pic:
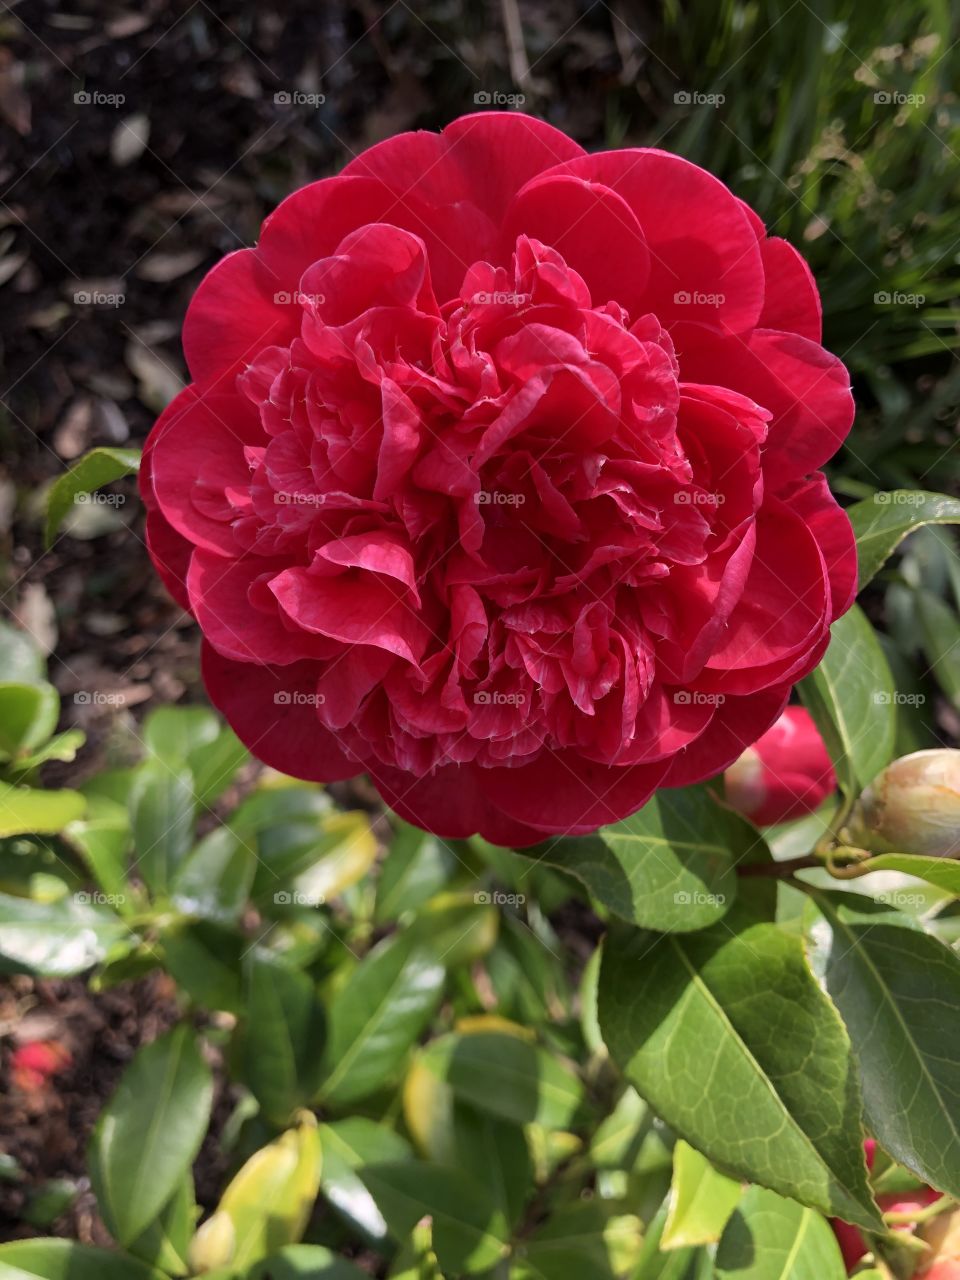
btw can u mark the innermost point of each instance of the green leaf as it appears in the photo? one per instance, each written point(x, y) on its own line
point(451, 1132)
point(347, 1146)
point(882, 522)
point(505, 1076)
point(29, 811)
point(20, 659)
point(103, 838)
point(897, 988)
point(669, 866)
point(728, 1037)
point(57, 939)
point(162, 816)
point(376, 1016)
point(940, 632)
point(283, 1035)
point(64, 1260)
point(417, 866)
point(769, 1238)
point(165, 1241)
point(28, 716)
point(305, 1262)
point(851, 697)
point(469, 1233)
point(204, 960)
point(149, 1133)
point(98, 467)
point(268, 1204)
point(173, 733)
point(942, 872)
point(214, 881)
point(701, 1200)
point(214, 765)
point(582, 1240)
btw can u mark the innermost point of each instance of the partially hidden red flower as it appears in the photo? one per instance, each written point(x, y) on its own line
point(786, 774)
point(34, 1063)
point(498, 480)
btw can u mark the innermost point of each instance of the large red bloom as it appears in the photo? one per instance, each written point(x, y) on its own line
point(497, 479)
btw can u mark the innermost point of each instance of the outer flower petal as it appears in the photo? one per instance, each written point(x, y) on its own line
point(705, 261)
point(806, 389)
point(274, 714)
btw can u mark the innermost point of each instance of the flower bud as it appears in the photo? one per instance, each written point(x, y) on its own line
point(785, 774)
point(913, 806)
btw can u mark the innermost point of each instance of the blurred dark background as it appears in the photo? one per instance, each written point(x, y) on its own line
point(142, 143)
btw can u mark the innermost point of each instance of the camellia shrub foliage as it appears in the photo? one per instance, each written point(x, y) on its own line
point(498, 483)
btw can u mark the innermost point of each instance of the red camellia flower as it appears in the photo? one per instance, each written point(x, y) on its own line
point(785, 774)
point(497, 479)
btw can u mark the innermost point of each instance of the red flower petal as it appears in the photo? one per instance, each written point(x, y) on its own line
point(274, 714)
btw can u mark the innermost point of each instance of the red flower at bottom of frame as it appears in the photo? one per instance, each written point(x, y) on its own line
point(497, 479)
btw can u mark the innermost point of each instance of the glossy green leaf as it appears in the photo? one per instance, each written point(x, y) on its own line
point(701, 1200)
point(897, 989)
point(417, 866)
point(451, 1132)
point(376, 1016)
point(940, 635)
point(580, 1240)
point(30, 811)
point(172, 733)
point(65, 1260)
point(28, 716)
point(506, 1076)
point(57, 939)
point(205, 961)
point(347, 1146)
point(851, 697)
point(98, 467)
point(728, 1037)
point(215, 879)
point(942, 872)
point(669, 866)
point(165, 1241)
point(150, 1131)
point(305, 1262)
point(162, 815)
point(770, 1238)
point(882, 522)
point(469, 1233)
point(103, 837)
point(283, 1035)
point(268, 1203)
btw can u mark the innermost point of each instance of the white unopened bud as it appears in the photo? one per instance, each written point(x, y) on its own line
point(913, 806)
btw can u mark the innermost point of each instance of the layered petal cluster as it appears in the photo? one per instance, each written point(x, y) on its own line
point(497, 479)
